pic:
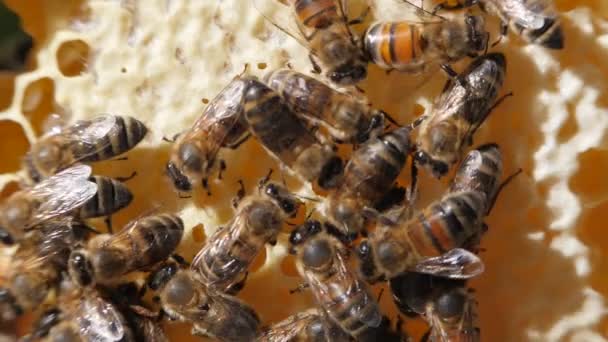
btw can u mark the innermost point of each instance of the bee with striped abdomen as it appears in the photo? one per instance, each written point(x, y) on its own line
point(212, 314)
point(321, 26)
point(462, 107)
point(52, 198)
point(140, 245)
point(195, 151)
point(414, 47)
point(112, 195)
point(322, 260)
point(287, 138)
point(101, 138)
point(429, 242)
point(223, 261)
point(536, 21)
point(346, 118)
point(368, 176)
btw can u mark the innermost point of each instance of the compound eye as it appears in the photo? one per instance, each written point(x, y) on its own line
point(440, 168)
point(317, 253)
point(288, 206)
point(271, 190)
point(421, 157)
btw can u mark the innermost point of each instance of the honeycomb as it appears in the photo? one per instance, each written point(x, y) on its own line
point(161, 61)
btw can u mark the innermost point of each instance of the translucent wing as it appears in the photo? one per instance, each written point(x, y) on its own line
point(283, 17)
point(90, 131)
point(457, 263)
point(100, 321)
point(294, 326)
point(222, 114)
point(529, 14)
point(414, 11)
point(62, 193)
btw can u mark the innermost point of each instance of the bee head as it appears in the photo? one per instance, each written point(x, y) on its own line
point(476, 32)
point(159, 278)
point(80, 268)
point(180, 181)
point(304, 232)
point(288, 203)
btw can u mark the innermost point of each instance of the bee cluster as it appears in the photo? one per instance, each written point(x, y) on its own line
point(366, 230)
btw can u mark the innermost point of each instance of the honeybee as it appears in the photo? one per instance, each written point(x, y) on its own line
point(223, 261)
point(462, 107)
point(51, 198)
point(346, 118)
point(140, 245)
point(430, 242)
point(287, 138)
point(36, 266)
point(310, 325)
point(446, 304)
point(194, 152)
point(322, 262)
point(536, 21)
point(112, 195)
point(414, 47)
point(321, 26)
point(101, 138)
point(213, 314)
point(83, 316)
point(368, 176)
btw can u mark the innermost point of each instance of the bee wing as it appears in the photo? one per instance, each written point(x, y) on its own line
point(518, 11)
point(413, 11)
point(62, 193)
point(100, 321)
point(290, 328)
point(283, 17)
point(226, 109)
point(90, 131)
point(457, 263)
point(468, 331)
point(438, 332)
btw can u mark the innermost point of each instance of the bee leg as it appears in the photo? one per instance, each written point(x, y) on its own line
point(108, 222)
point(121, 159)
point(316, 69)
point(239, 142)
point(490, 110)
point(124, 179)
point(361, 18)
point(412, 194)
point(180, 260)
point(222, 169)
point(504, 28)
point(205, 183)
point(300, 288)
point(425, 337)
point(500, 187)
point(237, 287)
point(453, 74)
point(446, 6)
point(239, 195)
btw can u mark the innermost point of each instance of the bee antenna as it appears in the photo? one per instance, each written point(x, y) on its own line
point(310, 214)
point(311, 199)
point(265, 180)
point(501, 186)
point(421, 9)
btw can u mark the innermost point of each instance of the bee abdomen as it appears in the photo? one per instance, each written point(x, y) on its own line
point(316, 13)
point(127, 133)
point(393, 45)
point(111, 196)
point(448, 223)
point(158, 236)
